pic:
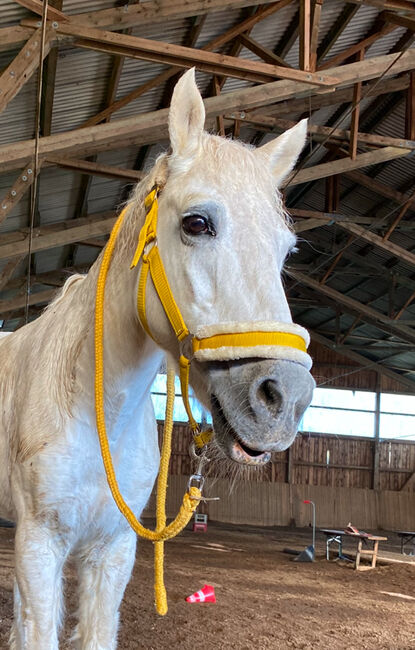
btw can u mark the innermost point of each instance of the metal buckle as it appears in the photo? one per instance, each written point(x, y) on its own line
point(185, 347)
point(198, 479)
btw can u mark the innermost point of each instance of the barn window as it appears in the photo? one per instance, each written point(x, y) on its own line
point(342, 412)
point(397, 416)
point(353, 413)
point(158, 395)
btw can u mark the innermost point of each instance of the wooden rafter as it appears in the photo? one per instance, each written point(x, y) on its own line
point(271, 123)
point(49, 76)
point(362, 360)
point(53, 13)
point(16, 244)
point(343, 165)
point(314, 27)
point(138, 14)
point(357, 47)
point(354, 126)
point(8, 271)
point(335, 32)
point(18, 189)
point(368, 314)
point(264, 53)
point(152, 127)
point(243, 27)
point(366, 235)
point(375, 186)
point(23, 66)
point(156, 11)
point(289, 37)
point(397, 19)
point(410, 107)
point(41, 297)
point(402, 212)
point(343, 95)
point(304, 33)
point(96, 169)
point(184, 57)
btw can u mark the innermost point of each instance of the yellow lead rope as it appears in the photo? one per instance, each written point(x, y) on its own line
point(192, 498)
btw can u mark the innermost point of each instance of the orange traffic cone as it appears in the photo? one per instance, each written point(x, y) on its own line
point(205, 595)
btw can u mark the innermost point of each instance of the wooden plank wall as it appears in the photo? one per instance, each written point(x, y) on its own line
point(280, 504)
point(350, 465)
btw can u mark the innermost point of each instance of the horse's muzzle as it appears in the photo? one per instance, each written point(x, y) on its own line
point(257, 406)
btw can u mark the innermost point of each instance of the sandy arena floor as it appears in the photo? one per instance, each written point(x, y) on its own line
point(264, 600)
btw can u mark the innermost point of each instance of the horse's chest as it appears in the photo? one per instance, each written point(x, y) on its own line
point(72, 483)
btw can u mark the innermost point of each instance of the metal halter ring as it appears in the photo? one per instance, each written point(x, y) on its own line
point(196, 480)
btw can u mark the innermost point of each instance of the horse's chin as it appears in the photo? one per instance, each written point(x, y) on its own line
point(231, 443)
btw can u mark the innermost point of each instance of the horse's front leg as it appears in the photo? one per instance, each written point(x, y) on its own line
point(104, 569)
point(40, 556)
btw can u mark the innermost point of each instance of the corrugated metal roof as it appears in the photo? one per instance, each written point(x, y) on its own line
point(80, 92)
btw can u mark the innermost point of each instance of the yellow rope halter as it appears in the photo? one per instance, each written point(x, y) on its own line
point(191, 499)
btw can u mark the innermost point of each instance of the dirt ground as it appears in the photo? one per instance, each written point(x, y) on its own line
point(264, 600)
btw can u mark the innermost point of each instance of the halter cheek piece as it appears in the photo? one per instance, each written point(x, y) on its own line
point(224, 341)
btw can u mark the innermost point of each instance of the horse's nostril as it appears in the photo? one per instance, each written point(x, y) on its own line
point(270, 395)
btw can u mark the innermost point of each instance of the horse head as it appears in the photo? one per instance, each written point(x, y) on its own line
point(223, 237)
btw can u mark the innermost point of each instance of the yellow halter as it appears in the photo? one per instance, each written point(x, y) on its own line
point(223, 345)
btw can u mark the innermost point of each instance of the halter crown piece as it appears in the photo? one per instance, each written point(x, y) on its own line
point(224, 341)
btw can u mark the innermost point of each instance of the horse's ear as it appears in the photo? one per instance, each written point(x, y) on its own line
point(186, 115)
point(284, 150)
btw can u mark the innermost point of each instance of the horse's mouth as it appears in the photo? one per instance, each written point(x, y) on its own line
point(234, 446)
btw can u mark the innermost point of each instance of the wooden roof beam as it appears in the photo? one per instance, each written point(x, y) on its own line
point(58, 234)
point(49, 76)
point(262, 52)
point(357, 47)
point(341, 96)
point(397, 19)
point(152, 127)
point(366, 235)
point(368, 314)
point(314, 27)
point(343, 165)
point(335, 32)
point(8, 271)
point(40, 297)
point(185, 57)
point(96, 169)
point(271, 123)
point(53, 13)
point(133, 15)
point(242, 27)
point(160, 11)
point(23, 66)
point(363, 361)
point(18, 189)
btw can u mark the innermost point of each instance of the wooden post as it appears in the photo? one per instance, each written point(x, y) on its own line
point(315, 23)
point(410, 108)
point(289, 476)
point(376, 447)
point(305, 25)
point(354, 127)
point(220, 124)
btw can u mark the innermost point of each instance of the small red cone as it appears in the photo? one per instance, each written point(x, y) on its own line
point(204, 595)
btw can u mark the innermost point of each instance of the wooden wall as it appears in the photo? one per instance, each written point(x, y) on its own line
point(351, 462)
point(342, 489)
point(280, 504)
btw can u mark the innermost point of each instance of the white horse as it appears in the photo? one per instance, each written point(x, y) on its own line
point(223, 237)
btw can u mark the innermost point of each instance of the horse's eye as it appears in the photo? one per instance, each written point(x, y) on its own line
point(195, 224)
